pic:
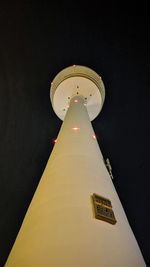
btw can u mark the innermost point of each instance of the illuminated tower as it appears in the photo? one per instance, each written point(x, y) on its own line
point(75, 218)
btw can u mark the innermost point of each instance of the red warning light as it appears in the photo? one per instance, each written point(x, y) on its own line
point(54, 141)
point(75, 128)
point(94, 136)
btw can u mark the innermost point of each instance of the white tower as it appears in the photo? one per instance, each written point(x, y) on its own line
point(75, 218)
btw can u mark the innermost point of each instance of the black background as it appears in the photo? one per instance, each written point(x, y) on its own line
point(37, 40)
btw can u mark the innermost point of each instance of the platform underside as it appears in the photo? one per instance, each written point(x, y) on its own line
point(80, 81)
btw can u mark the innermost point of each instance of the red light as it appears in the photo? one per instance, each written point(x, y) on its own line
point(94, 136)
point(54, 141)
point(75, 128)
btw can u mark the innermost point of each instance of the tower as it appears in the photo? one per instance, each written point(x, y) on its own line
point(75, 217)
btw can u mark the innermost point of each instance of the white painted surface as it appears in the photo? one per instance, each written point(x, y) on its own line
point(77, 80)
point(59, 229)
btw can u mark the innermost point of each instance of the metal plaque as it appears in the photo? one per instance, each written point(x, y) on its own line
point(103, 209)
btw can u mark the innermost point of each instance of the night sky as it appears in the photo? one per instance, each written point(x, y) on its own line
point(37, 40)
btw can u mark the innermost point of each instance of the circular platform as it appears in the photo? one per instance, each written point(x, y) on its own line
point(81, 81)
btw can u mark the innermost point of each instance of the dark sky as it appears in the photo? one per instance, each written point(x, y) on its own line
point(37, 40)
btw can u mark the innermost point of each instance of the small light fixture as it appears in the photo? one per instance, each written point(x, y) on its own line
point(54, 141)
point(94, 136)
point(75, 128)
point(76, 101)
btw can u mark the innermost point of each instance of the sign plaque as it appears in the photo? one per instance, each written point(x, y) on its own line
point(103, 209)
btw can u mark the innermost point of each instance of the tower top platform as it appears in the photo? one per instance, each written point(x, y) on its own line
point(74, 81)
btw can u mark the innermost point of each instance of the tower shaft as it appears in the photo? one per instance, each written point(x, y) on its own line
point(60, 228)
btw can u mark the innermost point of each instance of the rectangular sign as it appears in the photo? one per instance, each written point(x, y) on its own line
point(103, 209)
